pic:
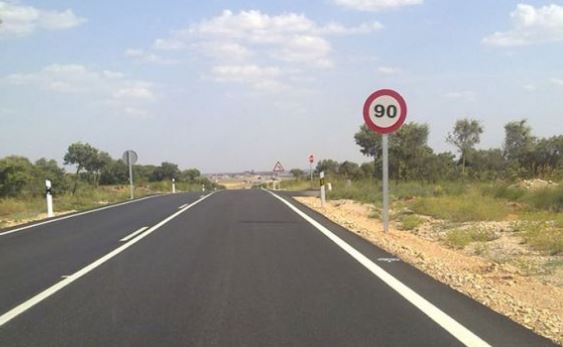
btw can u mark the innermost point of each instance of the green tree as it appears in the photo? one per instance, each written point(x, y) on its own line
point(548, 156)
point(297, 173)
point(82, 155)
point(369, 142)
point(329, 166)
point(406, 148)
point(114, 172)
point(349, 170)
point(368, 169)
point(15, 173)
point(487, 164)
point(466, 134)
point(166, 171)
point(190, 174)
point(519, 145)
point(48, 169)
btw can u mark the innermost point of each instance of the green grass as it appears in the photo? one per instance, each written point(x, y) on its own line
point(462, 208)
point(542, 236)
point(86, 197)
point(410, 221)
point(547, 199)
point(459, 238)
point(297, 185)
point(362, 191)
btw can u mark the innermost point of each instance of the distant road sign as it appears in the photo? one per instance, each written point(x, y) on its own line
point(278, 168)
point(385, 111)
point(129, 155)
point(311, 159)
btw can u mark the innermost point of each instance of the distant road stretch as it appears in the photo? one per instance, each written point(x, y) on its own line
point(234, 268)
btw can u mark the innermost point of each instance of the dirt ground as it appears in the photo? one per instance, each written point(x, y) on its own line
point(13, 222)
point(532, 301)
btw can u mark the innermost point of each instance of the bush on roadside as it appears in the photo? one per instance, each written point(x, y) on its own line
point(459, 238)
point(410, 221)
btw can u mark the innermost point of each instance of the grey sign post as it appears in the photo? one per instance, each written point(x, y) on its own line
point(130, 158)
point(385, 111)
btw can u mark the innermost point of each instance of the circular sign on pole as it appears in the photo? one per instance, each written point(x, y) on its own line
point(129, 155)
point(311, 159)
point(385, 111)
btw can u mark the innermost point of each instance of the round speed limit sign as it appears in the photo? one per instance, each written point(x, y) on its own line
point(385, 111)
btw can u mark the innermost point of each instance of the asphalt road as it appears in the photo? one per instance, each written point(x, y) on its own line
point(236, 268)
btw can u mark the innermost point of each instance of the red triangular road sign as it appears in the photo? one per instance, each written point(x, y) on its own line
point(278, 167)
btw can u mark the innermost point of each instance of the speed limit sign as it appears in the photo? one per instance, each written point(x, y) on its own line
point(385, 111)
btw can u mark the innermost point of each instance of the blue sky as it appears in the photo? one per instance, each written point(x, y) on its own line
point(236, 85)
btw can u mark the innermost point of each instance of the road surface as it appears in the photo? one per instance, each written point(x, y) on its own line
point(234, 268)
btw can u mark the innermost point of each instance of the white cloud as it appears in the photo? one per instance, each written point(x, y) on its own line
point(557, 81)
point(530, 87)
point(465, 95)
point(228, 51)
point(20, 20)
point(108, 87)
point(388, 70)
point(139, 92)
point(260, 78)
point(531, 25)
point(242, 43)
point(376, 5)
point(147, 57)
point(288, 37)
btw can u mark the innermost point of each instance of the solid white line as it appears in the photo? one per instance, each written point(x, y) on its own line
point(130, 236)
point(457, 330)
point(75, 215)
point(21, 308)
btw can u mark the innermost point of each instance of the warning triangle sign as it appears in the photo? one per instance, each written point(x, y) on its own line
point(278, 168)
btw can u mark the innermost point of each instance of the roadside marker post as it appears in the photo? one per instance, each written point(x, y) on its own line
point(173, 186)
point(130, 158)
point(384, 112)
point(49, 198)
point(323, 192)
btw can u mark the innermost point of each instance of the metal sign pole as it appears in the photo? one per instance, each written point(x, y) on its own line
point(311, 173)
point(385, 148)
point(323, 193)
point(130, 174)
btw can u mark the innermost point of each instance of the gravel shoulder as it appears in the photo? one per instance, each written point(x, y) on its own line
point(533, 301)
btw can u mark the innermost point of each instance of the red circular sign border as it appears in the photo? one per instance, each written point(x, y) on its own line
point(402, 116)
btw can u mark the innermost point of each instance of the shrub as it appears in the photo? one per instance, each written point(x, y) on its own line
point(459, 238)
point(410, 222)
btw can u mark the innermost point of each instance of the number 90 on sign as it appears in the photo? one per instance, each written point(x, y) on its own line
point(385, 111)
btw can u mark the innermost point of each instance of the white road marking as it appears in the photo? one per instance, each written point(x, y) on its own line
point(181, 207)
point(21, 308)
point(74, 215)
point(457, 330)
point(388, 260)
point(130, 236)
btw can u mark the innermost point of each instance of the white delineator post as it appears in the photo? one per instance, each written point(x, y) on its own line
point(49, 198)
point(385, 157)
point(173, 186)
point(323, 193)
